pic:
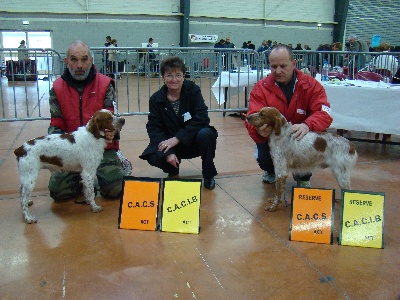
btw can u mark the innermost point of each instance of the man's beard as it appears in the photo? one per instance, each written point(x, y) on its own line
point(79, 77)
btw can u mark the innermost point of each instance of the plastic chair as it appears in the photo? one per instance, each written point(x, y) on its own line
point(313, 70)
point(384, 72)
point(338, 75)
point(368, 76)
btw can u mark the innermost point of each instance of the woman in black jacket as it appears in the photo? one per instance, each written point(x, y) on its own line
point(178, 124)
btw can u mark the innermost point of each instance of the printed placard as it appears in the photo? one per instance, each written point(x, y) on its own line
point(202, 38)
point(312, 215)
point(139, 203)
point(181, 206)
point(362, 219)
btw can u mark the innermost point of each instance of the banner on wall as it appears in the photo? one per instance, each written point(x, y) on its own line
point(376, 40)
point(203, 38)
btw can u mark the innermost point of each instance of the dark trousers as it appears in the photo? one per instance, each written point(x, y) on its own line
point(204, 145)
point(265, 162)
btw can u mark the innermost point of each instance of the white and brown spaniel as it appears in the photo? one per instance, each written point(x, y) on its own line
point(315, 150)
point(80, 151)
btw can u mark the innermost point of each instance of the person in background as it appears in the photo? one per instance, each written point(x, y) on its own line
point(178, 124)
point(298, 47)
point(357, 45)
point(263, 46)
point(386, 65)
point(108, 41)
point(230, 58)
point(113, 58)
point(23, 58)
point(269, 45)
point(250, 56)
point(386, 62)
point(106, 55)
point(337, 46)
point(220, 44)
point(250, 45)
point(337, 60)
point(299, 97)
point(74, 98)
point(307, 59)
point(152, 56)
point(299, 57)
point(324, 56)
point(228, 43)
point(220, 56)
point(370, 48)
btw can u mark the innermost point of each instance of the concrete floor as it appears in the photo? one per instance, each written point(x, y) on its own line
point(241, 252)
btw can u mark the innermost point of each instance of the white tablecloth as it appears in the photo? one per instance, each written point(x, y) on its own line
point(369, 109)
point(234, 81)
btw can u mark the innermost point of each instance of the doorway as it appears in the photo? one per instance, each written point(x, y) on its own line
point(33, 40)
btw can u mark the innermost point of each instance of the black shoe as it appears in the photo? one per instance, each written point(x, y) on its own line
point(209, 183)
point(174, 173)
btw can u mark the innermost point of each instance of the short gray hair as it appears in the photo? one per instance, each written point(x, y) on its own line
point(352, 37)
point(78, 43)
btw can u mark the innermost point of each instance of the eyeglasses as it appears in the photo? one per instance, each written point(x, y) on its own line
point(178, 76)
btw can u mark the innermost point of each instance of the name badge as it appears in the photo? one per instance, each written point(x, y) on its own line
point(186, 116)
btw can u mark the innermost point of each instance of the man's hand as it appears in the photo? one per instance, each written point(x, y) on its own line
point(173, 160)
point(109, 135)
point(264, 130)
point(299, 131)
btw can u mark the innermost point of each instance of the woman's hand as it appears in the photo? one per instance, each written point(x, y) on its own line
point(173, 160)
point(168, 144)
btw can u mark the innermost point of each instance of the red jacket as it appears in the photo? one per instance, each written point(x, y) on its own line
point(78, 109)
point(309, 103)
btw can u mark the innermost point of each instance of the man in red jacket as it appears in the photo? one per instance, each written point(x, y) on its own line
point(74, 98)
point(299, 97)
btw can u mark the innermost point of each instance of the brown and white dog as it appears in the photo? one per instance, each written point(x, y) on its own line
point(313, 151)
point(80, 151)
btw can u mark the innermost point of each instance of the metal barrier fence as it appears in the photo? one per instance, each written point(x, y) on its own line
point(26, 78)
point(224, 75)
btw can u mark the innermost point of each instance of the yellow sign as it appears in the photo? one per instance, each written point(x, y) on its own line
point(181, 206)
point(139, 203)
point(312, 215)
point(362, 219)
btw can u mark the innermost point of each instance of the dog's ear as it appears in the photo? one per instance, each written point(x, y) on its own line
point(278, 125)
point(93, 127)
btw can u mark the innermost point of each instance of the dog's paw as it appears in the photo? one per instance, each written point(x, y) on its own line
point(30, 219)
point(271, 200)
point(271, 208)
point(97, 208)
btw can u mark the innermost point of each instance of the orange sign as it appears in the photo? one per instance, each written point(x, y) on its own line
point(139, 203)
point(312, 215)
point(362, 219)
